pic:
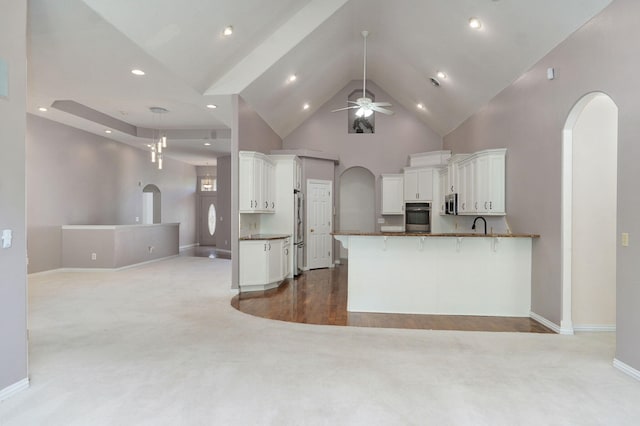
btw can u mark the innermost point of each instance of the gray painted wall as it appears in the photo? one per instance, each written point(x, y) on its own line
point(78, 178)
point(223, 229)
point(528, 118)
point(13, 280)
point(385, 151)
point(118, 246)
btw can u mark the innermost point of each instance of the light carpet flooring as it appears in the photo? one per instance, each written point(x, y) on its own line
point(160, 345)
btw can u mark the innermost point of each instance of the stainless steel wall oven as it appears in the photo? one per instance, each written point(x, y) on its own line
point(418, 217)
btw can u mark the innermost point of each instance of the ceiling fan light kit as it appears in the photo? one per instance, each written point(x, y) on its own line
point(366, 107)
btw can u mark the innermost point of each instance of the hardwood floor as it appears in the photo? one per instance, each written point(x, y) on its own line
point(320, 297)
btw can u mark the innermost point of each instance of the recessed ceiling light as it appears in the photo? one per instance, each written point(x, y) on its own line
point(475, 23)
point(305, 106)
point(441, 74)
point(108, 131)
point(227, 31)
point(212, 106)
point(207, 144)
point(137, 72)
point(42, 109)
point(292, 78)
point(420, 106)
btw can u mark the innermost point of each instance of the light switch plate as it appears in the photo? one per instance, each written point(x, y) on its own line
point(6, 238)
point(625, 239)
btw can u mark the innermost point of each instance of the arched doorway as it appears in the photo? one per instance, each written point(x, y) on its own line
point(357, 201)
point(589, 207)
point(151, 205)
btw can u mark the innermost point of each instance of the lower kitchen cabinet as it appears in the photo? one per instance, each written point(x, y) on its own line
point(262, 263)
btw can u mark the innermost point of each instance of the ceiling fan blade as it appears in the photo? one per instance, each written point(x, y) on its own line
point(342, 109)
point(382, 110)
point(381, 104)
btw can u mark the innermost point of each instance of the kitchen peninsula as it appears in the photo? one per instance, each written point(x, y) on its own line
point(444, 274)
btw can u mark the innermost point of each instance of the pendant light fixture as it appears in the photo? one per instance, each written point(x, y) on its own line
point(159, 142)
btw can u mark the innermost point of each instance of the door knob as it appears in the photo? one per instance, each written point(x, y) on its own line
point(311, 230)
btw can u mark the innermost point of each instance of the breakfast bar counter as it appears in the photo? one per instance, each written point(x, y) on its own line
point(444, 274)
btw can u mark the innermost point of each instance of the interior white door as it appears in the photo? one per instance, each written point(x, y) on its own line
point(147, 208)
point(319, 223)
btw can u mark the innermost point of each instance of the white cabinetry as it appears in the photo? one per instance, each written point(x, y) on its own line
point(274, 252)
point(443, 190)
point(453, 173)
point(263, 263)
point(482, 183)
point(466, 187)
point(256, 188)
point(392, 194)
point(418, 184)
point(490, 182)
point(286, 257)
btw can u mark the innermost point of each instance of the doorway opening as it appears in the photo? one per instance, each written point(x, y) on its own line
point(151, 205)
point(357, 202)
point(589, 209)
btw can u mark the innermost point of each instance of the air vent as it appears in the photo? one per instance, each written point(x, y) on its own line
point(434, 82)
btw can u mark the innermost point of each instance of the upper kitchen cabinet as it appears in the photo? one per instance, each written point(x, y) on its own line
point(453, 183)
point(418, 184)
point(393, 194)
point(443, 181)
point(256, 187)
point(481, 180)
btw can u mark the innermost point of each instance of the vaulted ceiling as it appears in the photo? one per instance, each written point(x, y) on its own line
point(82, 52)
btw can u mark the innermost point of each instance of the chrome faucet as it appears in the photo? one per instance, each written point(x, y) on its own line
point(485, 224)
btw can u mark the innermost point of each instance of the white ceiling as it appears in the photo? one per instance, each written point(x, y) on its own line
point(83, 51)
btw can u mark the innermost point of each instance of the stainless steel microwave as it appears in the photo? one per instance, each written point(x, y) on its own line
point(451, 203)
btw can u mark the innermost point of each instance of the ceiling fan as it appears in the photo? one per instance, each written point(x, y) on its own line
point(365, 105)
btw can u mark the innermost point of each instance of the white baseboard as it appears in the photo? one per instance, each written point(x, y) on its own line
point(627, 369)
point(9, 391)
point(47, 272)
point(552, 325)
point(595, 328)
point(188, 246)
point(122, 268)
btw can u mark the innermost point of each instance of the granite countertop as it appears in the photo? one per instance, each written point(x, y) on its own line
point(264, 237)
point(422, 234)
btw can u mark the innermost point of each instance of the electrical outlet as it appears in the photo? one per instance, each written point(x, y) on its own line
point(137, 219)
point(151, 249)
point(94, 256)
point(625, 239)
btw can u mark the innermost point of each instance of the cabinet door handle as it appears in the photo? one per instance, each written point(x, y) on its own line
point(273, 205)
point(476, 205)
point(451, 188)
point(269, 246)
point(266, 204)
point(265, 246)
point(490, 205)
point(485, 205)
point(417, 195)
point(286, 251)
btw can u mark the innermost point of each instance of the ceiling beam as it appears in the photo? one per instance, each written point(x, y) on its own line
point(275, 47)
